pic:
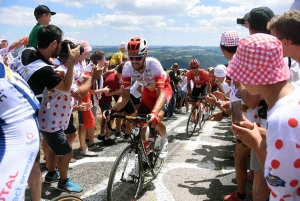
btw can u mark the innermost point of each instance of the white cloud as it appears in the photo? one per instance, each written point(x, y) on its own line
point(170, 21)
point(140, 7)
point(202, 10)
point(21, 16)
point(24, 17)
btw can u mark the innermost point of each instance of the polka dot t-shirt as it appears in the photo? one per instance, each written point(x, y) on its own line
point(282, 165)
point(61, 105)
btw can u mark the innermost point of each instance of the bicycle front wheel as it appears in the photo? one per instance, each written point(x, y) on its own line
point(156, 162)
point(192, 121)
point(67, 198)
point(126, 176)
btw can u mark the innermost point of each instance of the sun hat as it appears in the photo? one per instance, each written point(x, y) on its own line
point(229, 38)
point(258, 61)
point(86, 46)
point(219, 70)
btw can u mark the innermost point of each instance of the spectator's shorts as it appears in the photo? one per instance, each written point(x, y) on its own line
point(129, 107)
point(58, 142)
point(71, 128)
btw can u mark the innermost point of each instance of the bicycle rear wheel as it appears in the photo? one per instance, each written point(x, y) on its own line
point(156, 162)
point(66, 198)
point(126, 176)
point(192, 121)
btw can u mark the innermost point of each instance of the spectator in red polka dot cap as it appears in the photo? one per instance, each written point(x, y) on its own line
point(258, 64)
point(229, 38)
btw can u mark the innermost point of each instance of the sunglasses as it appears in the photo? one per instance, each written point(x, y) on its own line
point(137, 58)
point(193, 67)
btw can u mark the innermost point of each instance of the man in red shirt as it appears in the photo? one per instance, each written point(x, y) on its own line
point(200, 77)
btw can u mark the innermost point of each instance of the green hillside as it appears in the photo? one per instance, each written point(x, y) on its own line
point(208, 56)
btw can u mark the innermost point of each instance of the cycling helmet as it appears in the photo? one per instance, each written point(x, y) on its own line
point(194, 63)
point(137, 45)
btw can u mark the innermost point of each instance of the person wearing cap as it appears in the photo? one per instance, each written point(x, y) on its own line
point(286, 28)
point(43, 16)
point(116, 59)
point(228, 44)
point(258, 64)
point(174, 80)
point(258, 20)
point(212, 79)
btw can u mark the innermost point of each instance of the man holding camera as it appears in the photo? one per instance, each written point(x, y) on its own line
point(56, 96)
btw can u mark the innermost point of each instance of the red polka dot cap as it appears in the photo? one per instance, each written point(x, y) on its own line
point(258, 61)
point(229, 38)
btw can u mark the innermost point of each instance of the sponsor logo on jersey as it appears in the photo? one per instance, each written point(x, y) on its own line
point(275, 181)
point(31, 139)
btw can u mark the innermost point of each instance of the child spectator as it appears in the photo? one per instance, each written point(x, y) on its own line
point(43, 15)
point(258, 64)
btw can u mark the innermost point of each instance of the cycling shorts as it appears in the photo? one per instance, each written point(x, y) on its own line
point(149, 99)
point(19, 146)
point(197, 91)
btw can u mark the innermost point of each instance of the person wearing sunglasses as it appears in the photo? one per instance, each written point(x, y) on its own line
point(157, 89)
point(200, 77)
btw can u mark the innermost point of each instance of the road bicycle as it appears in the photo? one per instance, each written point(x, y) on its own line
point(199, 114)
point(128, 171)
point(67, 198)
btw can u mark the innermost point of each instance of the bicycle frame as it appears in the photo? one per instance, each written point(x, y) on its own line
point(136, 142)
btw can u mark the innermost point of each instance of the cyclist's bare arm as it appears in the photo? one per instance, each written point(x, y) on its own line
point(160, 100)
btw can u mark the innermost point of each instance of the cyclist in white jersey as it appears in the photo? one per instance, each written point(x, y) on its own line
point(157, 89)
point(19, 134)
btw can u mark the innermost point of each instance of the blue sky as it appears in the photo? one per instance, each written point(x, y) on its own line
point(161, 22)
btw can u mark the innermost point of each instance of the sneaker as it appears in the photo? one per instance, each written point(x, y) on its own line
point(164, 148)
point(51, 179)
point(135, 169)
point(232, 197)
point(109, 142)
point(69, 186)
point(165, 119)
point(94, 147)
point(87, 152)
point(173, 117)
point(101, 137)
point(126, 138)
point(119, 134)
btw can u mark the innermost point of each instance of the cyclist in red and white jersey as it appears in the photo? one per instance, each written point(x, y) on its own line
point(200, 77)
point(19, 134)
point(157, 89)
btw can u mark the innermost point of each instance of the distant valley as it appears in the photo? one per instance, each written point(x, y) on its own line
point(167, 55)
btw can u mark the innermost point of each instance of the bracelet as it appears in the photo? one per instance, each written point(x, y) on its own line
point(224, 114)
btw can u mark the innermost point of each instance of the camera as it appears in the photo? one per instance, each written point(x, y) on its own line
point(64, 47)
point(240, 21)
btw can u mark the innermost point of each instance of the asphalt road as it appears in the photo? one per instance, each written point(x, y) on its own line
point(199, 168)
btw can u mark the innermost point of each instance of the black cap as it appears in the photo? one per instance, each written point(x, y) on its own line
point(42, 9)
point(259, 18)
